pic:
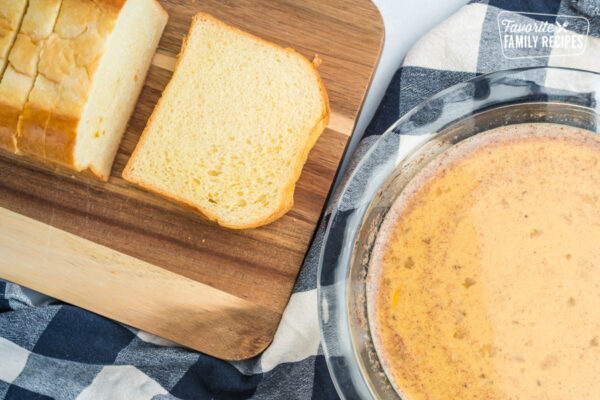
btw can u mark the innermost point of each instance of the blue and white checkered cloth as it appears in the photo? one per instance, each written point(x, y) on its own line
point(52, 350)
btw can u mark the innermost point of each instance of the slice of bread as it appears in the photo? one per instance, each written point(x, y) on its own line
point(91, 71)
point(234, 127)
point(11, 15)
point(21, 71)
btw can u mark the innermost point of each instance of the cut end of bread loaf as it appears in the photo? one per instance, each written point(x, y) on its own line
point(233, 128)
point(117, 85)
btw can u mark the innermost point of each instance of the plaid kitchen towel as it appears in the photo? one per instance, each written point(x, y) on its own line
point(52, 350)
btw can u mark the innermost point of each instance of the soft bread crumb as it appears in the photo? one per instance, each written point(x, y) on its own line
point(233, 128)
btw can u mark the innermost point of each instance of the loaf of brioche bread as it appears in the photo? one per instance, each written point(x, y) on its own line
point(90, 72)
point(11, 15)
point(21, 71)
point(234, 127)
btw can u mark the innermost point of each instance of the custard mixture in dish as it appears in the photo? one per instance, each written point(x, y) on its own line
point(485, 277)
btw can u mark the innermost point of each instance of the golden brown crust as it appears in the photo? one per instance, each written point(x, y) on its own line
point(31, 131)
point(115, 4)
point(288, 193)
point(61, 136)
point(9, 119)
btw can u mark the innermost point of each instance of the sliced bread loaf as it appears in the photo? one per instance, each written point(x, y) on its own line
point(11, 15)
point(90, 73)
point(234, 127)
point(21, 71)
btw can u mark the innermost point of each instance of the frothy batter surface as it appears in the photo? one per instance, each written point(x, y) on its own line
point(485, 279)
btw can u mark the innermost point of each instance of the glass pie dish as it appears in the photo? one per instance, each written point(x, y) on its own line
point(529, 95)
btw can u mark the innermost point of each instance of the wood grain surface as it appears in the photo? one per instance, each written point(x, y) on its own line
point(127, 254)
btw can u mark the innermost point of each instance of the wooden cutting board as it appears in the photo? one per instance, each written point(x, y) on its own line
point(124, 253)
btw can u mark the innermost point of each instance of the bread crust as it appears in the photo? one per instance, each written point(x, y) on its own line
point(9, 119)
point(31, 131)
point(115, 4)
point(287, 198)
point(61, 136)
